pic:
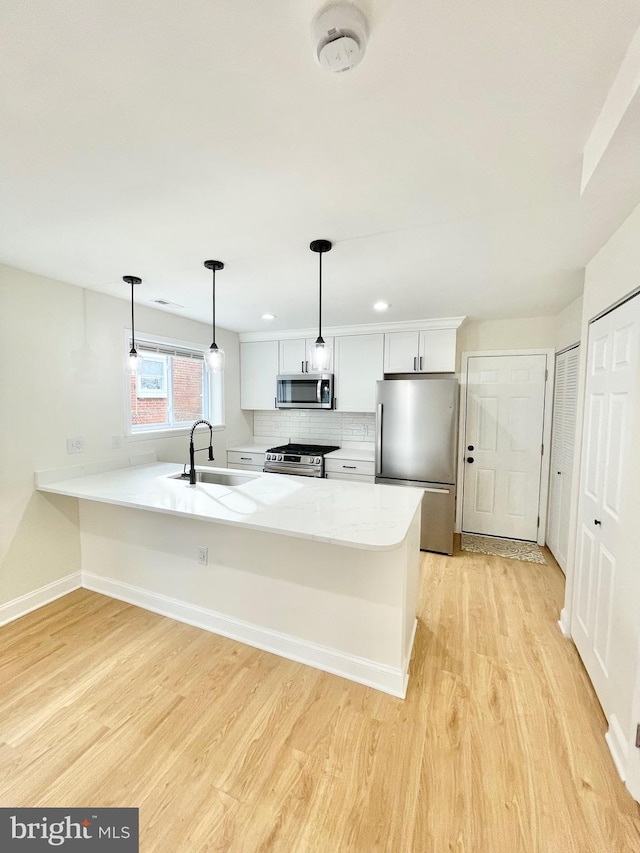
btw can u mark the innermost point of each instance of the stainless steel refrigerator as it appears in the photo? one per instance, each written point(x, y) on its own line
point(416, 436)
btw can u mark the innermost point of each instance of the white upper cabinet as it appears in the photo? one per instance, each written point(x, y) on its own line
point(437, 350)
point(400, 352)
point(360, 355)
point(359, 364)
point(258, 371)
point(294, 355)
point(426, 351)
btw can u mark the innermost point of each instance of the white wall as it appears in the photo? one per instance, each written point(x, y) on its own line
point(558, 331)
point(569, 325)
point(518, 333)
point(62, 375)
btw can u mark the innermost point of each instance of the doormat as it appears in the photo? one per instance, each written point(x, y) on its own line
point(515, 549)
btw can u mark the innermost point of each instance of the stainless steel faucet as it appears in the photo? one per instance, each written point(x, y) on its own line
point(193, 451)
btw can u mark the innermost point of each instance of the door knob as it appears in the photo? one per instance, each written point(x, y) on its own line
point(469, 458)
point(471, 447)
point(596, 521)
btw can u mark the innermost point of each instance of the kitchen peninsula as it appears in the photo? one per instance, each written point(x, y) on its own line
point(320, 571)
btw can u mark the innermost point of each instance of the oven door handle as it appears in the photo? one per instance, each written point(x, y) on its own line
point(299, 470)
point(319, 391)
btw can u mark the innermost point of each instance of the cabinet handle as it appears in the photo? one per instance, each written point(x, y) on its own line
point(596, 521)
point(275, 403)
point(246, 458)
point(420, 360)
point(302, 366)
point(414, 363)
point(350, 466)
point(306, 367)
point(379, 438)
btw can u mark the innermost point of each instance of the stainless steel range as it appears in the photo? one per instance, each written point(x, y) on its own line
point(305, 460)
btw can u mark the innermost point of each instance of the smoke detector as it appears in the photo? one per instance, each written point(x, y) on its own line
point(339, 33)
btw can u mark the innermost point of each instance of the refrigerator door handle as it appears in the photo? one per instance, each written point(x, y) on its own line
point(438, 491)
point(379, 440)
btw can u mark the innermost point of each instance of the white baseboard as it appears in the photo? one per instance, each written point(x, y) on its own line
point(385, 678)
point(24, 604)
point(564, 624)
point(618, 746)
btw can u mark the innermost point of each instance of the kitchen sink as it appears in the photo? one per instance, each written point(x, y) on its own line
point(219, 478)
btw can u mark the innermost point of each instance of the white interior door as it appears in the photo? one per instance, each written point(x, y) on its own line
point(503, 445)
point(605, 625)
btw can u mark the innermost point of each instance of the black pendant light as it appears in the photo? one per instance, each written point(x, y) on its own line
point(320, 352)
point(214, 357)
point(133, 354)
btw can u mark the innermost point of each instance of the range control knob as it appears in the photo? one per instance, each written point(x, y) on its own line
point(280, 457)
point(316, 461)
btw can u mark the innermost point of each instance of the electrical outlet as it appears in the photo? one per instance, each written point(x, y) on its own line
point(75, 445)
point(116, 442)
point(202, 555)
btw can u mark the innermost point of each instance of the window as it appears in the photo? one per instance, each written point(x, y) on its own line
point(172, 388)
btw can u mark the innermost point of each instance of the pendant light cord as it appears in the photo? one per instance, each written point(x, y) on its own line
point(320, 300)
point(213, 312)
point(133, 331)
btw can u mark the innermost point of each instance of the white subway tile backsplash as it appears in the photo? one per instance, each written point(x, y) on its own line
point(321, 426)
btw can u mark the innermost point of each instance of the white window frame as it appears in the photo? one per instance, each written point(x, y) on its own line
point(216, 413)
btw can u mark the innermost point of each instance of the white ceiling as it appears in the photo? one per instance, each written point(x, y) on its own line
point(144, 138)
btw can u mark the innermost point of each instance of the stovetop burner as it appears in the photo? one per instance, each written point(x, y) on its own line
point(304, 449)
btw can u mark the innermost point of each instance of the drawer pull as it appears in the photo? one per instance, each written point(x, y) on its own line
point(246, 458)
point(350, 466)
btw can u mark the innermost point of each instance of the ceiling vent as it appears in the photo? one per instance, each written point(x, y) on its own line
point(339, 33)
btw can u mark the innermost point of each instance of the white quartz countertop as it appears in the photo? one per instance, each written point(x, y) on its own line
point(364, 454)
point(357, 515)
point(250, 447)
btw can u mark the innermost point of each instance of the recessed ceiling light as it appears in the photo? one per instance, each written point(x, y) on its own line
point(268, 316)
point(381, 306)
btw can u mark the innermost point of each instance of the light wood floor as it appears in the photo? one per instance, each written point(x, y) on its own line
point(498, 747)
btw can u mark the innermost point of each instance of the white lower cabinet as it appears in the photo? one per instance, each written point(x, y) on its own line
point(359, 364)
point(355, 470)
point(353, 478)
point(245, 461)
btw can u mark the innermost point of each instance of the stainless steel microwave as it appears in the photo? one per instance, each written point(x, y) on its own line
point(305, 391)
